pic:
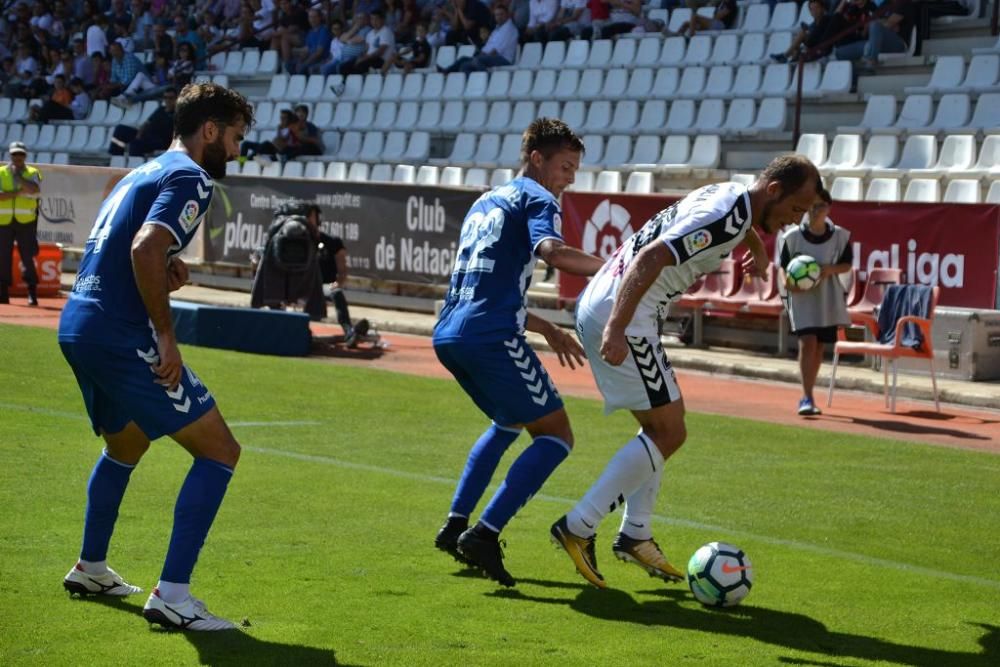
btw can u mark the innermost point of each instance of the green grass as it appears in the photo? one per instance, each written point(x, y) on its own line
point(865, 550)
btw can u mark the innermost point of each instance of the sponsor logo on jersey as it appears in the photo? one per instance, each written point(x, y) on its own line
point(697, 241)
point(189, 215)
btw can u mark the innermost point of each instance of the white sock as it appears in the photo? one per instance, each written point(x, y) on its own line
point(94, 567)
point(637, 519)
point(173, 593)
point(628, 470)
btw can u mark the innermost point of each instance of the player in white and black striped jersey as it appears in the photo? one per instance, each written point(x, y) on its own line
point(617, 322)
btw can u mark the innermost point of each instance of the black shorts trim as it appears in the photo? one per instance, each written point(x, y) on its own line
point(644, 354)
point(823, 334)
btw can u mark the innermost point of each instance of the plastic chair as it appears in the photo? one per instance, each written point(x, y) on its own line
point(878, 279)
point(891, 350)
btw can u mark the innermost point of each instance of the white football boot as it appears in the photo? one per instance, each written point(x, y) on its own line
point(190, 614)
point(108, 583)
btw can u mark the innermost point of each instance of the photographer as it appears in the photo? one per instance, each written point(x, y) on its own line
point(297, 259)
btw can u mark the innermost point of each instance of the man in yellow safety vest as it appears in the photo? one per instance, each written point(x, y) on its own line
point(19, 193)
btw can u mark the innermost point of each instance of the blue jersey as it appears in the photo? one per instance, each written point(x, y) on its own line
point(105, 306)
point(494, 263)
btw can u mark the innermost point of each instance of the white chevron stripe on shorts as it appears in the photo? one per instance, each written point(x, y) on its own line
point(535, 379)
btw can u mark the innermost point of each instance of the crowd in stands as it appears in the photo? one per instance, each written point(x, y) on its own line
point(68, 54)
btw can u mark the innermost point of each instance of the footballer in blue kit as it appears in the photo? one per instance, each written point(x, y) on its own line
point(117, 334)
point(480, 339)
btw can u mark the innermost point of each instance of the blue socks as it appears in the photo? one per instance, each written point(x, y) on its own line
point(105, 491)
point(524, 479)
point(484, 457)
point(197, 503)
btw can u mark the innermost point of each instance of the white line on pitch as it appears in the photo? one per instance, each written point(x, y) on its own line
point(81, 416)
point(793, 544)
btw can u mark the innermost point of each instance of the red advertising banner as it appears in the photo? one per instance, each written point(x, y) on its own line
point(48, 266)
point(954, 246)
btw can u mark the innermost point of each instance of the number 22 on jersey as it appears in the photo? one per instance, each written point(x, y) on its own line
point(479, 232)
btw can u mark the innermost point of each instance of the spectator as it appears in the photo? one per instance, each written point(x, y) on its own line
point(889, 34)
point(304, 137)
point(9, 79)
point(307, 60)
point(464, 18)
point(414, 55)
point(572, 20)
point(57, 107)
point(251, 149)
point(119, 12)
point(124, 67)
point(540, 14)
point(183, 68)
point(809, 36)
point(163, 43)
point(80, 105)
point(437, 32)
point(121, 34)
point(265, 17)
point(499, 51)
point(623, 17)
point(381, 45)
point(142, 26)
point(152, 136)
point(184, 31)
point(353, 46)
point(850, 13)
point(102, 73)
point(292, 24)
point(83, 65)
point(335, 51)
point(97, 37)
point(147, 86)
point(520, 13)
point(64, 66)
point(368, 6)
point(723, 19)
point(211, 34)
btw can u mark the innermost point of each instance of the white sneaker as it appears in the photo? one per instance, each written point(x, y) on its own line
point(109, 583)
point(190, 614)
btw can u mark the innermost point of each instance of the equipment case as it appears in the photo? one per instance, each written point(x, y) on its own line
point(966, 345)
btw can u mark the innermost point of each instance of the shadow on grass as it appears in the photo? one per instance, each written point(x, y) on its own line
point(234, 647)
point(675, 609)
point(905, 427)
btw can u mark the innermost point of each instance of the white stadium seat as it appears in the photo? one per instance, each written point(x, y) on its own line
point(450, 176)
point(380, 173)
point(962, 191)
point(883, 189)
point(358, 171)
point(403, 173)
point(427, 175)
point(925, 190)
point(846, 188)
point(336, 171)
point(845, 152)
point(813, 146)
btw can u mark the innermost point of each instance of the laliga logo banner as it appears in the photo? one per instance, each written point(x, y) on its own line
point(607, 228)
point(599, 223)
point(954, 246)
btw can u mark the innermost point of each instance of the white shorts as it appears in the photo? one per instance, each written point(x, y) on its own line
point(644, 380)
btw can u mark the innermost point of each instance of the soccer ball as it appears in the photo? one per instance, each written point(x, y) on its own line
point(719, 574)
point(802, 272)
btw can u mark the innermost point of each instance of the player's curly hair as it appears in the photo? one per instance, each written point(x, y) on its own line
point(201, 102)
point(548, 135)
point(792, 171)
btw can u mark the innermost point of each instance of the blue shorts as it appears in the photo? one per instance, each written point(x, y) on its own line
point(118, 387)
point(505, 379)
